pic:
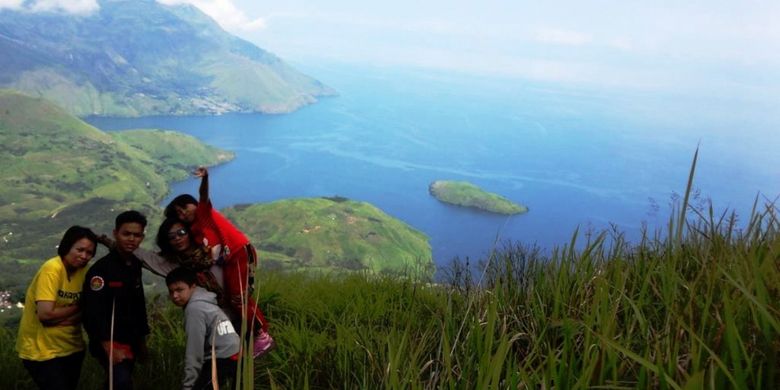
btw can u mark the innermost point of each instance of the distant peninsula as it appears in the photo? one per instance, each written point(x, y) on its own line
point(462, 193)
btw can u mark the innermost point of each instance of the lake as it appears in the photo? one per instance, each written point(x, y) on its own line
point(576, 157)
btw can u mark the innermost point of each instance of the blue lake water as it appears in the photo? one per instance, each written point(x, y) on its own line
point(577, 158)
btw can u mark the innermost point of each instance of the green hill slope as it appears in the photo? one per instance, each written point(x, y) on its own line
point(333, 234)
point(58, 171)
point(140, 57)
point(173, 154)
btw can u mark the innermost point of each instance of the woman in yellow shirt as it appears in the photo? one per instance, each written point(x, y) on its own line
point(49, 342)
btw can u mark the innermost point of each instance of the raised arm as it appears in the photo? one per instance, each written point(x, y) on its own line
point(203, 191)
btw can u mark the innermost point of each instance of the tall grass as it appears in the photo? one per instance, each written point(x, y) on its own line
point(699, 313)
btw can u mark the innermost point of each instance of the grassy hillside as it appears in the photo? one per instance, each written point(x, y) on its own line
point(461, 193)
point(173, 154)
point(59, 171)
point(333, 234)
point(52, 159)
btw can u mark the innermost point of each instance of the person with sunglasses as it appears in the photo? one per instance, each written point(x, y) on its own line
point(229, 247)
point(177, 246)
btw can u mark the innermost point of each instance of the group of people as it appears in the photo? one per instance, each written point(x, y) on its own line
point(208, 267)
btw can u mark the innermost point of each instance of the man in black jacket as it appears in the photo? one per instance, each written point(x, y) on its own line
point(114, 307)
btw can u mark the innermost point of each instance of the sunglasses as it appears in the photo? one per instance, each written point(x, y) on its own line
point(178, 233)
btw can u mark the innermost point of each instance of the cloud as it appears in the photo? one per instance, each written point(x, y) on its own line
point(11, 4)
point(621, 43)
point(69, 6)
point(256, 24)
point(561, 37)
point(224, 12)
point(79, 7)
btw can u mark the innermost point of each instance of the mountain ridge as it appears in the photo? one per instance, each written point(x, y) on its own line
point(133, 58)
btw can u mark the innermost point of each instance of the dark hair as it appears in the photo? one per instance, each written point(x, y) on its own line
point(162, 235)
point(180, 201)
point(129, 216)
point(181, 274)
point(73, 234)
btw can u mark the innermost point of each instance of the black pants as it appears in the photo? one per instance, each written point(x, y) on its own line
point(58, 373)
point(123, 374)
point(226, 371)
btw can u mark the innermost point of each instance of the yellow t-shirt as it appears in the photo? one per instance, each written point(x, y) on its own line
point(37, 342)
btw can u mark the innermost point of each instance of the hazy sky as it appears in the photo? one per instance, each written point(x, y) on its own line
point(708, 46)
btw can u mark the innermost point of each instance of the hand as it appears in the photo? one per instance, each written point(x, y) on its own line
point(117, 355)
point(237, 301)
point(73, 319)
point(201, 171)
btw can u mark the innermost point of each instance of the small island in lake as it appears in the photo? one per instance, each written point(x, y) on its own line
point(462, 193)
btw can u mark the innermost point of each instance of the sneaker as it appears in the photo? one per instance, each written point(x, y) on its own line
point(263, 343)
